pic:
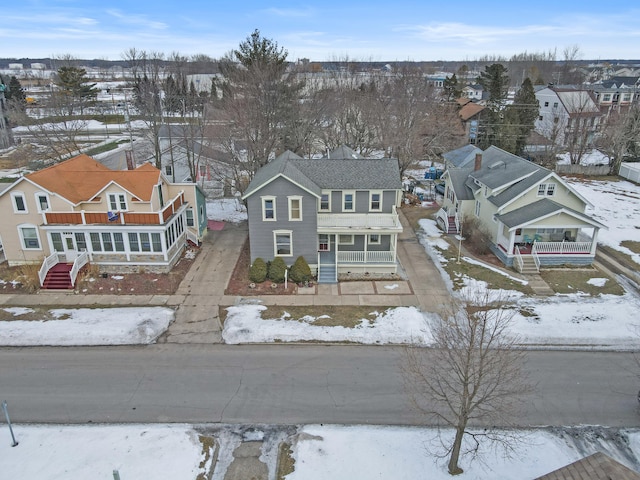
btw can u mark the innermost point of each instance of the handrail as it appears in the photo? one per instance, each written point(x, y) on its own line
point(519, 260)
point(80, 261)
point(534, 254)
point(47, 264)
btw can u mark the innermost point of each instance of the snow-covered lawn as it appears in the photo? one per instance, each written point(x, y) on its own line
point(86, 326)
point(226, 210)
point(617, 205)
point(320, 452)
point(402, 325)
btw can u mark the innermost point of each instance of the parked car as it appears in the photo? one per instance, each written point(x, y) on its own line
point(440, 188)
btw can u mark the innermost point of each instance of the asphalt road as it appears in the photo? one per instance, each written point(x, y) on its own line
point(283, 384)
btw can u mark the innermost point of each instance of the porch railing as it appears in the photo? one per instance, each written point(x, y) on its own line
point(359, 220)
point(80, 261)
point(366, 257)
point(47, 265)
point(561, 248)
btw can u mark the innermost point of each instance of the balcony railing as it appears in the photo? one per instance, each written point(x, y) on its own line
point(122, 218)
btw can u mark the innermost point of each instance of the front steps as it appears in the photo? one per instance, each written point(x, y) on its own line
point(58, 278)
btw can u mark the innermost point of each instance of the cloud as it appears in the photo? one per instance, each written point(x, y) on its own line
point(138, 20)
point(290, 12)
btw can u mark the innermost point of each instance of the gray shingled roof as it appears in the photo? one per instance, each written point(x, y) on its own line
point(501, 168)
point(458, 178)
point(343, 152)
point(536, 210)
point(518, 188)
point(594, 467)
point(463, 156)
point(330, 173)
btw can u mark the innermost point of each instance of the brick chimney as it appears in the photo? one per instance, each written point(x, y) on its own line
point(478, 163)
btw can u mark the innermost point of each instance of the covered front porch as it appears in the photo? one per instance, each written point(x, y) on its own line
point(355, 253)
point(561, 237)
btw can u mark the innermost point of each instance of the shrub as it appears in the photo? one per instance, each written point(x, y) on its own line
point(477, 238)
point(276, 270)
point(300, 271)
point(258, 271)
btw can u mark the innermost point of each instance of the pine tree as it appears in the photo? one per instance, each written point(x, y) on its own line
point(528, 110)
point(73, 84)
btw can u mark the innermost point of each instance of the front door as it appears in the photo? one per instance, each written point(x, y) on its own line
point(70, 248)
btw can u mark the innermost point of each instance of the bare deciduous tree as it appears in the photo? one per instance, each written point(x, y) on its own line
point(620, 137)
point(473, 376)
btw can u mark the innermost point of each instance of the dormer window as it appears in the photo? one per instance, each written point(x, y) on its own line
point(117, 201)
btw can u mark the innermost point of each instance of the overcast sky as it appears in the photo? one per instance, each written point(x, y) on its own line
point(332, 29)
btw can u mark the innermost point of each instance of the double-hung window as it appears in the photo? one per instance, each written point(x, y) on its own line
point(269, 209)
point(42, 202)
point(117, 201)
point(375, 204)
point(295, 209)
point(325, 202)
point(282, 243)
point(19, 203)
point(348, 201)
point(30, 239)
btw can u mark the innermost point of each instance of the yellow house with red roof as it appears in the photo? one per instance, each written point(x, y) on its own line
point(81, 211)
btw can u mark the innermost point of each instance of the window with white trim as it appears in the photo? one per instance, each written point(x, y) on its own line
point(117, 201)
point(42, 202)
point(325, 202)
point(546, 189)
point(346, 239)
point(189, 213)
point(323, 242)
point(374, 239)
point(168, 170)
point(29, 237)
point(348, 201)
point(375, 201)
point(295, 209)
point(19, 203)
point(269, 209)
point(282, 243)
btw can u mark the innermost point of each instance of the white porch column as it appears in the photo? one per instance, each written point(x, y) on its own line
point(594, 241)
point(366, 247)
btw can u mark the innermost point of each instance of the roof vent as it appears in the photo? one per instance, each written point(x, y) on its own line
point(497, 164)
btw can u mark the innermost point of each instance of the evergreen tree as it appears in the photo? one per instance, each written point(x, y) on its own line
point(495, 81)
point(74, 86)
point(258, 104)
point(451, 88)
point(528, 109)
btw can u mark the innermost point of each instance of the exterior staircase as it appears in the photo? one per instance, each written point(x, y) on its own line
point(451, 226)
point(327, 269)
point(58, 278)
point(529, 266)
point(327, 274)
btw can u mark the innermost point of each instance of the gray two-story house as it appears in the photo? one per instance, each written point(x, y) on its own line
point(338, 212)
